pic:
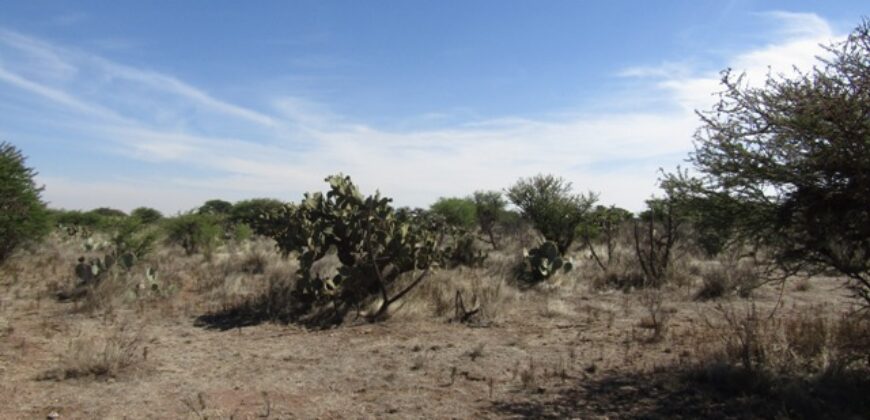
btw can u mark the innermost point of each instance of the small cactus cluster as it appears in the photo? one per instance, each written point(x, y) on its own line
point(151, 277)
point(90, 244)
point(124, 249)
point(93, 269)
point(545, 260)
point(151, 285)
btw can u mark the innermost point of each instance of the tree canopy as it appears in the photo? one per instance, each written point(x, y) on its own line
point(23, 215)
point(791, 159)
point(550, 205)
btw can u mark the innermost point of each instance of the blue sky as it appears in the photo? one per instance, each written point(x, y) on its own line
point(167, 104)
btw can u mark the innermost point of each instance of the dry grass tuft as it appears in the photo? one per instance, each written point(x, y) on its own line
point(803, 364)
point(727, 276)
point(807, 341)
point(555, 307)
point(100, 357)
point(436, 296)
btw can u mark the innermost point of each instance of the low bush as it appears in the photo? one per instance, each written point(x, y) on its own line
point(195, 233)
point(458, 212)
point(553, 209)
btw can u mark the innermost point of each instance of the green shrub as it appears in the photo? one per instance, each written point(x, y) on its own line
point(548, 203)
point(216, 207)
point(194, 232)
point(657, 232)
point(251, 212)
point(241, 232)
point(459, 212)
point(108, 212)
point(489, 208)
point(130, 236)
point(146, 215)
point(511, 222)
point(603, 228)
point(102, 219)
point(76, 218)
point(23, 215)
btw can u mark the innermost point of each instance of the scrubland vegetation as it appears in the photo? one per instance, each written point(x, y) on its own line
point(741, 291)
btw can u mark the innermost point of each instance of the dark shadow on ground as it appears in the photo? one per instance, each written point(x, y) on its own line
point(712, 393)
point(234, 317)
point(275, 305)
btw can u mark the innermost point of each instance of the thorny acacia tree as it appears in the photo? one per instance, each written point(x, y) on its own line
point(793, 157)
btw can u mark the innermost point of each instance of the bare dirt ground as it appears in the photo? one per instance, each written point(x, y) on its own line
point(559, 352)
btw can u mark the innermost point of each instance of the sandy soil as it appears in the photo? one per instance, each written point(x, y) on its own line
point(563, 354)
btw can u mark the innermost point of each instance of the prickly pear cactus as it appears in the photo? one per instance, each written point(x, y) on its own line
point(375, 243)
point(94, 269)
point(545, 260)
point(151, 277)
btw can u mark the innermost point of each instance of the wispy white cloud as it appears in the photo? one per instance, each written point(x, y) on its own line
point(172, 85)
point(664, 70)
point(54, 95)
point(290, 144)
point(64, 64)
point(797, 46)
point(798, 25)
point(41, 58)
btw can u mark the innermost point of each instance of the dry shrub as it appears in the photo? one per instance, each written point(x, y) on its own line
point(555, 307)
point(100, 357)
point(807, 334)
point(805, 364)
point(529, 376)
point(502, 264)
point(657, 315)
point(38, 271)
point(803, 284)
point(106, 295)
point(254, 263)
point(850, 341)
point(695, 268)
point(727, 276)
point(809, 341)
point(277, 298)
point(271, 299)
point(436, 296)
point(624, 273)
point(680, 273)
point(744, 336)
point(715, 283)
